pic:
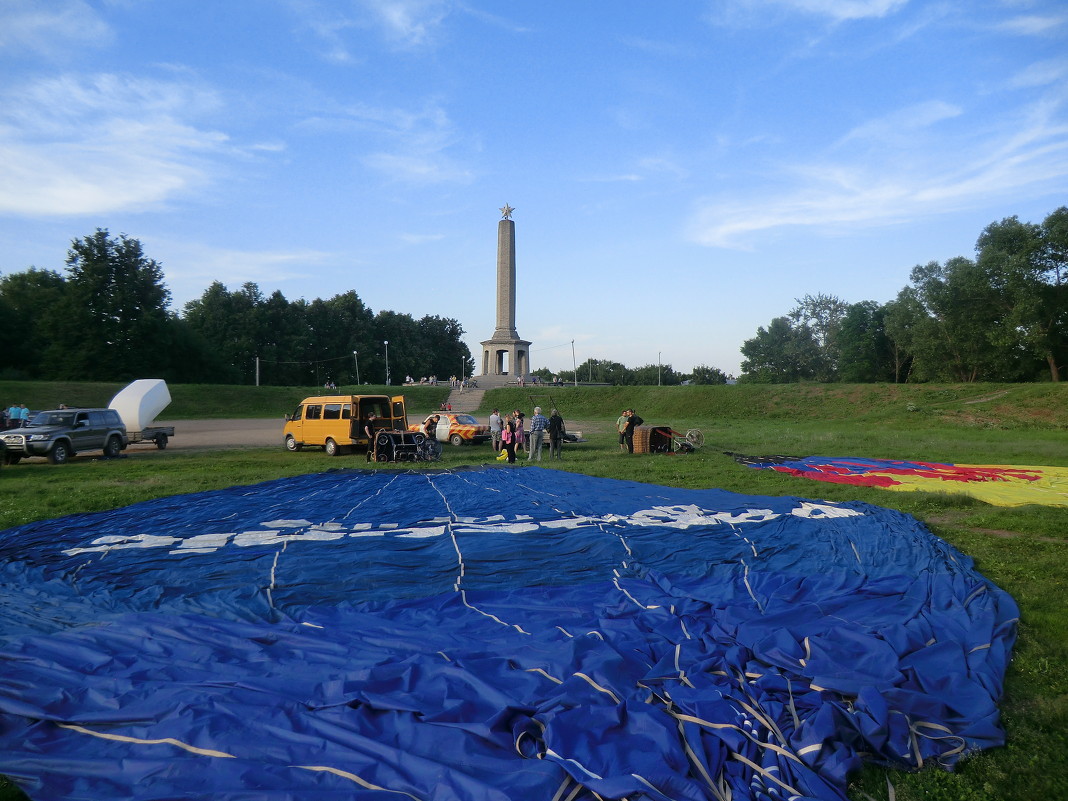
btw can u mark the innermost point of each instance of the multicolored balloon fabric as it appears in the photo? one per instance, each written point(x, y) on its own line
point(1001, 485)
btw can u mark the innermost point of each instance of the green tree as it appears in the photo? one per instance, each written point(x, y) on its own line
point(113, 321)
point(282, 340)
point(904, 320)
point(1026, 266)
point(227, 321)
point(320, 341)
point(865, 353)
point(406, 352)
point(597, 371)
point(822, 316)
point(443, 344)
point(703, 374)
point(780, 354)
point(189, 358)
point(651, 375)
point(965, 337)
point(31, 301)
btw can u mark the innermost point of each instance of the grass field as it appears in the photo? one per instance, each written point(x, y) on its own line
point(1022, 549)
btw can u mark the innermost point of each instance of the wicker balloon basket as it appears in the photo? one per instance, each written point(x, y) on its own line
point(652, 439)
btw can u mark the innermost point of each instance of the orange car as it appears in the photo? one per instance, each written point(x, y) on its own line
point(457, 428)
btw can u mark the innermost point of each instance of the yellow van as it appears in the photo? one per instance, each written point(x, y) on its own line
point(335, 422)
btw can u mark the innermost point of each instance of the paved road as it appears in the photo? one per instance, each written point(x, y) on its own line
point(196, 434)
point(203, 434)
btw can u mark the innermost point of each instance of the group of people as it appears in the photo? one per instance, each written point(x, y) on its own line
point(625, 424)
point(508, 434)
point(537, 380)
point(14, 416)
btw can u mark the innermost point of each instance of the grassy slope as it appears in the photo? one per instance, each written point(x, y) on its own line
point(1016, 406)
point(1042, 406)
point(1022, 549)
point(200, 401)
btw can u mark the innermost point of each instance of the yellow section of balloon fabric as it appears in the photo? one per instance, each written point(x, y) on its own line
point(1005, 485)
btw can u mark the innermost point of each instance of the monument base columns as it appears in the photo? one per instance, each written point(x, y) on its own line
point(505, 359)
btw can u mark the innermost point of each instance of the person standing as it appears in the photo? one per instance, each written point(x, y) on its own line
point(430, 426)
point(508, 439)
point(538, 423)
point(372, 439)
point(495, 430)
point(520, 431)
point(633, 421)
point(555, 428)
point(621, 427)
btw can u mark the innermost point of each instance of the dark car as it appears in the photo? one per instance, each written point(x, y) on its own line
point(61, 433)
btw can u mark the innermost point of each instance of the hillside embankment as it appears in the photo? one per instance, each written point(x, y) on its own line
point(1005, 406)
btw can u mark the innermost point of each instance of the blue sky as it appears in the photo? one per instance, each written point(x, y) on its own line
point(681, 172)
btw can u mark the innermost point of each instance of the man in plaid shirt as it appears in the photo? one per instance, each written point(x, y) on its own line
point(538, 424)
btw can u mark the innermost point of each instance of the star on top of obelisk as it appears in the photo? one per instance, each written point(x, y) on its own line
point(506, 212)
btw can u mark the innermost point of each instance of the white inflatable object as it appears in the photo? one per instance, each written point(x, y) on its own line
point(140, 402)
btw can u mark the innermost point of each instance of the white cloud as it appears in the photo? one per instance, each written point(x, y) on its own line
point(417, 142)
point(409, 144)
point(416, 168)
point(1044, 73)
point(844, 9)
point(103, 143)
point(647, 168)
point(901, 125)
point(191, 268)
point(419, 239)
point(401, 23)
point(50, 27)
point(410, 22)
point(756, 11)
point(1029, 157)
point(1035, 25)
point(658, 47)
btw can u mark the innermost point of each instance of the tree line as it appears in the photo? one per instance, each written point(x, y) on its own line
point(603, 371)
point(108, 318)
point(1001, 316)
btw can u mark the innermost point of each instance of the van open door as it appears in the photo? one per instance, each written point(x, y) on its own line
point(400, 416)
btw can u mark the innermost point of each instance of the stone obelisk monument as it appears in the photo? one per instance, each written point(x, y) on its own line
point(505, 357)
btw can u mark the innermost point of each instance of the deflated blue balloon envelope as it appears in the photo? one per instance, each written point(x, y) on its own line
point(488, 634)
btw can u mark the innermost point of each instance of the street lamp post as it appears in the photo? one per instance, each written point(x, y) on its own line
point(658, 369)
point(356, 357)
point(386, 343)
point(574, 365)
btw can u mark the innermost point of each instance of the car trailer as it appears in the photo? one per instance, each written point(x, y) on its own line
point(159, 435)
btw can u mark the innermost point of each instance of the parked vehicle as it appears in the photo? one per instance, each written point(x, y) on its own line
point(157, 435)
point(138, 404)
point(335, 423)
point(570, 437)
point(457, 428)
point(61, 433)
